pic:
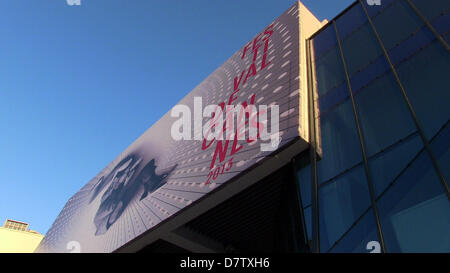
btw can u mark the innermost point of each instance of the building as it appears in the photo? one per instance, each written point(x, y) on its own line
point(359, 162)
point(15, 237)
point(382, 115)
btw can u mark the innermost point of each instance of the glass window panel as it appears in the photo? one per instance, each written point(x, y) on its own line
point(329, 71)
point(411, 46)
point(304, 180)
point(393, 32)
point(425, 77)
point(341, 148)
point(308, 222)
point(341, 203)
point(333, 97)
point(431, 8)
point(360, 49)
point(323, 41)
point(415, 212)
point(442, 23)
point(350, 20)
point(303, 168)
point(359, 236)
point(383, 114)
point(441, 150)
point(387, 165)
point(374, 70)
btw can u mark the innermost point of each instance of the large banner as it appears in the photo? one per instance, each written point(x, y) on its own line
point(244, 111)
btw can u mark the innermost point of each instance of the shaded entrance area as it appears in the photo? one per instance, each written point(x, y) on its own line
point(265, 217)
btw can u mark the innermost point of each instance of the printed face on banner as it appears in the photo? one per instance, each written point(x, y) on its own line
point(243, 112)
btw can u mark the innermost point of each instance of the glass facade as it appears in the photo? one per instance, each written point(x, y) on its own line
point(379, 90)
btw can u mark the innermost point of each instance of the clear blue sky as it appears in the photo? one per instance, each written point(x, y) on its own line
point(66, 70)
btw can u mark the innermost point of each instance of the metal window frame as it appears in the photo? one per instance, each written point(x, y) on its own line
point(408, 103)
point(361, 142)
point(312, 122)
point(315, 224)
point(429, 25)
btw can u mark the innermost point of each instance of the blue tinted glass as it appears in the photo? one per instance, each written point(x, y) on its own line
point(372, 71)
point(431, 8)
point(425, 77)
point(308, 222)
point(383, 114)
point(304, 180)
point(390, 163)
point(415, 212)
point(340, 143)
point(393, 32)
point(441, 150)
point(334, 97)
point(350, 21)
point(342, 202)
point(329, 71)
point(360, 48)
point(442, 23)
point(360, 237)
point(410, 46)
point(323, 41)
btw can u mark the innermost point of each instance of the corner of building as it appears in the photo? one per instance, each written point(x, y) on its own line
point(308, 25)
